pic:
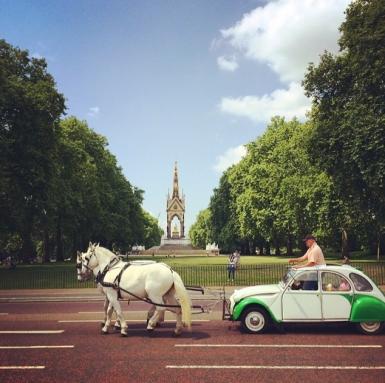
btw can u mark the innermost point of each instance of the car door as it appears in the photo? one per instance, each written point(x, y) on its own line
point(337, 296)
point(301, 300)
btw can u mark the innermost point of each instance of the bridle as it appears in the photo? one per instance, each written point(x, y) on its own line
point(79, 265)
point(88, 259)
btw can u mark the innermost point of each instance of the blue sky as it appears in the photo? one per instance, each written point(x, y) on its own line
point(190, 81)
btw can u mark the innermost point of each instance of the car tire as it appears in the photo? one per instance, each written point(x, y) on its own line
point(370, 328)
point(254, 320)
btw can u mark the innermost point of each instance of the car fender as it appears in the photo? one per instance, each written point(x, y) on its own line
point(367, 308)
point(241, 305)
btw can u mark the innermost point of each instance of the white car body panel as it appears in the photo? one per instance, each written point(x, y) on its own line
point(301, 306)
point(335, 306)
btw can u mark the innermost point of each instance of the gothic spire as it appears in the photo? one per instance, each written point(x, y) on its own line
point(175, 190)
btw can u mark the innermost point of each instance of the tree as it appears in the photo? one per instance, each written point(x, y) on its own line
point(152, 232)
point(348, 92)
point(224, 222)
point(200, 232)
point(94, 201)
point(30, 109)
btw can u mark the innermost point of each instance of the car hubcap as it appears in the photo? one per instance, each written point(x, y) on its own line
point(370, 326)
point(255, 321)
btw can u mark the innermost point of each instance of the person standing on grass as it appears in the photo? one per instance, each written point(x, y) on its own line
point(233, 264)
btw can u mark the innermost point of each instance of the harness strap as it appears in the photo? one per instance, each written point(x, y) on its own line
point(116, 285)
point(118, 278)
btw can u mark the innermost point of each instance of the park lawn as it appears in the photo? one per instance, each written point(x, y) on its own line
point(222, 260)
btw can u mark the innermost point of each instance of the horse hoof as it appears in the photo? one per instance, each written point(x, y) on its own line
point(123, 334)
point(102, 324)
point(104, 332)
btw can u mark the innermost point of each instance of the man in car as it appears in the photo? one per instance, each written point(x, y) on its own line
point(313, 256)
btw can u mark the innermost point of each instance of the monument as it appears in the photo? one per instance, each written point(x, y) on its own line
point(175, 209)
point(174, 242)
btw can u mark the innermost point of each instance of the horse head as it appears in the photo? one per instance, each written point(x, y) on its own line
point(86, 262)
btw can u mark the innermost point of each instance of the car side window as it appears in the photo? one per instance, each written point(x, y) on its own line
point(334, 282)
point(360, 283)
point(305, 281)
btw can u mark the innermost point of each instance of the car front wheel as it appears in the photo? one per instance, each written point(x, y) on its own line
point(254, 320)
point(370, 328)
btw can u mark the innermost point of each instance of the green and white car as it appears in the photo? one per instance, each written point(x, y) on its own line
point(312, 295)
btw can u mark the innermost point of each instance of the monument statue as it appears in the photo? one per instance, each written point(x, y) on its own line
point(175, 209)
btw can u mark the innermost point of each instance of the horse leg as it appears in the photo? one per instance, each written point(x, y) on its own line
point(157, 314)
point(171, 300)
point(115, 305)
point(107, 320)
point(105, 309)
point(151, 313)
point(117, 325)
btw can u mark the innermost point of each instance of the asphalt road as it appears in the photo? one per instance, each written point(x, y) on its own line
point(60, 341)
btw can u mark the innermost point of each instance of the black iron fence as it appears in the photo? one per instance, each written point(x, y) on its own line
point(205, 275)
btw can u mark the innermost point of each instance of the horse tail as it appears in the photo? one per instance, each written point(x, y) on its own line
point(184, 299)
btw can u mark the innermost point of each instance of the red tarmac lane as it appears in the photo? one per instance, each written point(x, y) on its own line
point(215, 350)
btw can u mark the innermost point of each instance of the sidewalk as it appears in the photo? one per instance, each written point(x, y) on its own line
point(93, 294)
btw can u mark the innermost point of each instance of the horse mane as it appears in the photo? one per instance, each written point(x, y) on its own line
point(105, 251)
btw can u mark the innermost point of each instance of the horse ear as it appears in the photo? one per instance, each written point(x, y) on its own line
point(97, 245)
point(90, 244)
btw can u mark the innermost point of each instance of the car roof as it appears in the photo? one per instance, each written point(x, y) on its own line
point(344, 269)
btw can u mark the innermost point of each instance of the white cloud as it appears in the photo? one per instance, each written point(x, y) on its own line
point(230, 157)
point(288, 34)
point(287, 103)
point(37, 55)
point(93, 111)
point(227, 63)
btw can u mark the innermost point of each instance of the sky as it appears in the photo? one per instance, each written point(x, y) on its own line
point(190, 81)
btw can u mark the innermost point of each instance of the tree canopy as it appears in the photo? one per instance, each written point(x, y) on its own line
point(60, 186)
point(348, 93)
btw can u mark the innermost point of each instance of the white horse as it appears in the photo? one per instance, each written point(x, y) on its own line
point(107, 306)
point(155, 283)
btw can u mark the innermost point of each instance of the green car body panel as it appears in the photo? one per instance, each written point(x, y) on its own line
point(367, 309)
point(241, 305)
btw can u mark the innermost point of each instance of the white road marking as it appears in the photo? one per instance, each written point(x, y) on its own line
point(34, 347)
point(22, 367)
point(33, 332)
point(3, 313)
point(282, 345)
point(127, 320)
point(91, 312)
point(80, 321)
point(279, 367)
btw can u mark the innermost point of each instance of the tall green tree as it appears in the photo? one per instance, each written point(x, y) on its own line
point(200, 232)
point(348, 94)
point(225, 229)
point(30, 110)
point(280, 195)
point(152, 232)
point(94, 201)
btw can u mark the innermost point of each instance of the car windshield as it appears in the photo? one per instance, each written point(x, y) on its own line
point(287, 277)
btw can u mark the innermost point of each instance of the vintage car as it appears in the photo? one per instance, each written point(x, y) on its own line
point(330, 293)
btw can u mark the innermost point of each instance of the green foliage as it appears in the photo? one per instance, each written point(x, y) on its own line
point(200, 232)
point(60, 187)
point(30, 109)
point(152, 232)
point(348, 95)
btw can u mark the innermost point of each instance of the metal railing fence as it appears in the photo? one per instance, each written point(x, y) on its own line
point(204, 275)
